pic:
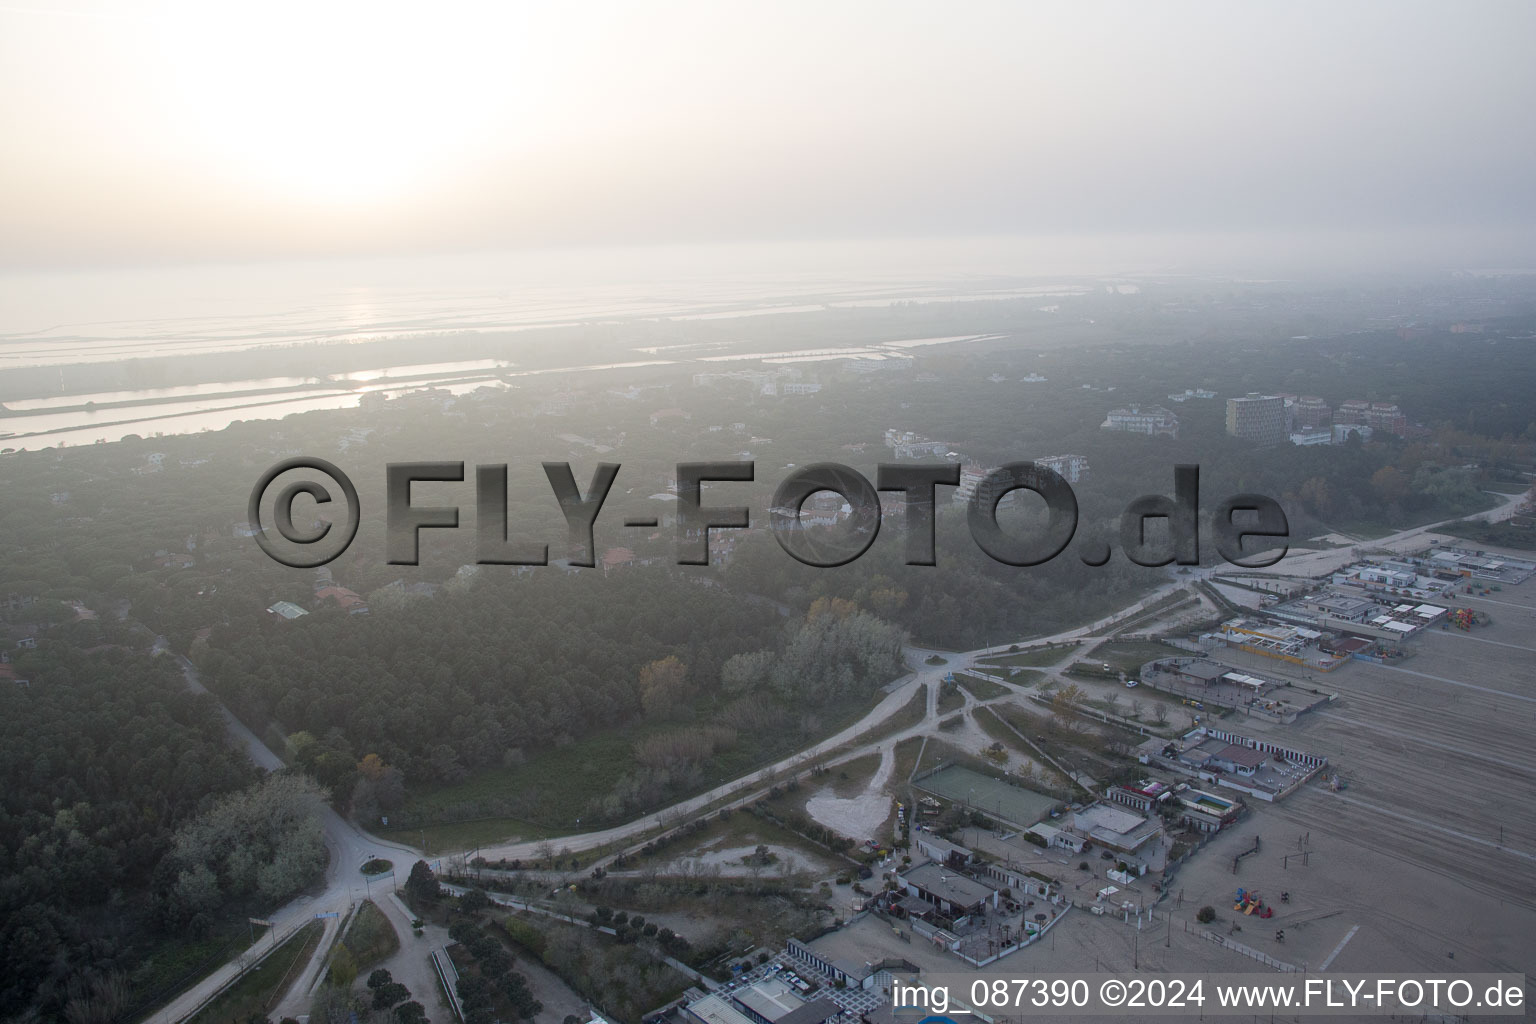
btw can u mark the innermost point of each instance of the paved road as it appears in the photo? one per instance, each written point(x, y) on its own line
point(344, 885)
point(1316, 563)
point(349, 846)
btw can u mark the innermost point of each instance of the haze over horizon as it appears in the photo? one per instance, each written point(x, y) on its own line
point(165, 132)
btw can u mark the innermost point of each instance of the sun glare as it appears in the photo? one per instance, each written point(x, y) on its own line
point(338, 102)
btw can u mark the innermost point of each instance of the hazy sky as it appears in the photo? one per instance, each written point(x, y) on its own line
point(153, 131)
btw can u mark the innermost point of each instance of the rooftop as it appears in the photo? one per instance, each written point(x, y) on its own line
point(771, 997)
point(947, 884)
point(713, 1009)
point(814, 1012)
point(287, 610)
point(1247, 757)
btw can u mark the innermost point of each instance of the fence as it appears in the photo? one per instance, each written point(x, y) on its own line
point(450, 979)
point(1248, 951)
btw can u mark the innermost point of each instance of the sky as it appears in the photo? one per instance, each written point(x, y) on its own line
point(161, 131)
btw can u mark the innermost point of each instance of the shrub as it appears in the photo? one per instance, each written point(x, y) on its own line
point(1206, 914)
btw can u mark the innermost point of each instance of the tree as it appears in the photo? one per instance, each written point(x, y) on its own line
point(1390, 484)
point(264, 841)
point(343, 968)
point(1206, 914)
point(1064, 707)
point(421, 885)
point(1315, 495)
point(388, 995)
point(380, 976)
point(664, 687)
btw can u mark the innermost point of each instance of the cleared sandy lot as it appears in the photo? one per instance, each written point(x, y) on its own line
point(1432, 848)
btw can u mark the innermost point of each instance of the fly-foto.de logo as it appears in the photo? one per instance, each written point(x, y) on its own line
point(293, 483)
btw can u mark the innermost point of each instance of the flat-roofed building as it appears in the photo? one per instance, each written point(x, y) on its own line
point(1115, 828)
point(941, 850)
point(1257, 418)
point(1152, 420)
point(1195, 671)
point(1235, 757)
point(954, 894)
point(1070, 468)
point(768, 1001)
point(714, 1009)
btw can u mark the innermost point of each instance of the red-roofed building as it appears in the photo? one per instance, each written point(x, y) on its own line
point(669, 414)
point(614, 558)
point(1240, 759)
point(347, 599)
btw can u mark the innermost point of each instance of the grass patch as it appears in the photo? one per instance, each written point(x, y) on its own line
point(950, 698)
point(263, 984)
point(175, 966)
point(626, 980)
point(1036, 657)
point(1500, 535)
point(1170, 603)
point(910, 714)
point(378, 866)
point(994, 728)
point(457, 836)
point(372, 939)
point(1128, 656)
point(982, 689)
point(906, 759)
point(852, 777)
point(554, 792)
point(739, 828)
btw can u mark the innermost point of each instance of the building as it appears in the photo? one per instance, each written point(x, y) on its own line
point(286, 610)
point(714, 1009)
point(1257, 418)
point(1238, 759)
point(1258, 767)
point(1070, 468)
point(973, 481)
point(1152, 420)
point(1144, 796)
point(954, 895)
point(1337, 606)
point(1309, 437)
point(1309, 413)
point(850, 974)
point(1341, 432)
point(817, 1011)
point(941, 850)
point(906, 445)
point(1206, 812)
point(1381, 417)
point(347, 600)
point(1115, 828)
point(1193, 671)
point(769, 1001)
point(665, 415)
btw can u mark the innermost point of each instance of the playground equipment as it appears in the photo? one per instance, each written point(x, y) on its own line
point(1238, 858)
point(1251, 905)
point(1466, 618)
